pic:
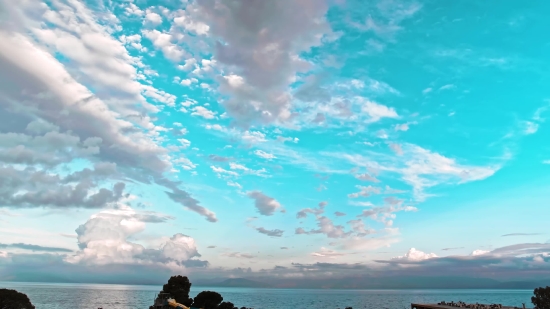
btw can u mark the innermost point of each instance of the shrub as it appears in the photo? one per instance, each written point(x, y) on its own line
point(207, 300)
point(178, 287)
point(11, 299)
point(541, 300)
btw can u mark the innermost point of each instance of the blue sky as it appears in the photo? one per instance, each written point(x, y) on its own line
point(204, 137)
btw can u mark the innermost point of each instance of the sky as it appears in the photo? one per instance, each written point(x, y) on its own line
point(295, 139)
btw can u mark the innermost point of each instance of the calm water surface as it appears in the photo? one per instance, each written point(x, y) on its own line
point(93, 296)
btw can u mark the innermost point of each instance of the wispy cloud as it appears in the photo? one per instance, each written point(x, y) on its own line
point(521, 234)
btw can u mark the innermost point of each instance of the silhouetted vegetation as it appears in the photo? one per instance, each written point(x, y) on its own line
point(541, 300)
point(178, 287)
point(207, 300)
point(227, 305)
point(11, 299)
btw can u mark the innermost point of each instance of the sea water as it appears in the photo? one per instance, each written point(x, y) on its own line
point(107, 296)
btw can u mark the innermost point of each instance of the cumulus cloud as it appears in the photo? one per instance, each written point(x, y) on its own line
point(262, 49)
point(104, 121)
point(479, 252)
point(152, 18)
point(265, 205)
point(203, 112)
point(164, 42)
point(34, 187)
point(415, 255)
point(105, 239)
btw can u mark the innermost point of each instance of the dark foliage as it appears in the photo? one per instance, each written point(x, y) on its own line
point(541, 300)
point(227, 305)
point(178, 287)
point(207, 300)
point(11, 299)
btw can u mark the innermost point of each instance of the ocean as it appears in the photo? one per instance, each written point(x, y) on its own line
point(107, 296)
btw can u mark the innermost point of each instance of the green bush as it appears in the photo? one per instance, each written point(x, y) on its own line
point(11, 299)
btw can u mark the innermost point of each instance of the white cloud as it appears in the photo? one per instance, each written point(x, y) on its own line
point(203, 112)
point(422, 168)
point(234, 81)
point(530, 127)
point(189, 64)
point(159, 95)
point(402, 127)
point(234, 184)
point(188, 102)
point(327, 253)
point(283, 139)
point(152, 18)
point(221, 171)
point(189, 81)
point(546, 162)
point(382, 134)
point(246, 170)
point(105, 239)
point(265, 205)
point(185, 163)
point(253, 137)
point(386, 214)
point(267, 66)
point(415, 255)
point(215, 127)
point(184, 142)
point(366, 177)
point(239, 255)
point(115, 112)
point(132, 9)
point(186, 22)
point(479, 252)
point(427, 90)
point(377, 111)
point(396, 148)
point(265, 155)
point(362, 204)
point(132, 40)
point(447, 87)
point(163, 41)
point(365, 191)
